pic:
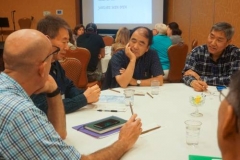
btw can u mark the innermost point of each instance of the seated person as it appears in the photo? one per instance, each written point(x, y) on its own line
point(174, 33)
point(77, 31)
point(73, 98)
point(154, 32)
point(122, 38)
point(161, 43)
point(137, 65)
point(28, 133)
point(229, 122)
point(95, 44)
point(213, 63)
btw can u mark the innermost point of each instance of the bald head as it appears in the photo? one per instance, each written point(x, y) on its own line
point(24, 49)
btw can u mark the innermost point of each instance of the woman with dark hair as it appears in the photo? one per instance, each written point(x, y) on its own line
point(174, 33)
point(78, 30)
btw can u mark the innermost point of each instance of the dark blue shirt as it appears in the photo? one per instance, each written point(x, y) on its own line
point(147, 66)
point(74, 97)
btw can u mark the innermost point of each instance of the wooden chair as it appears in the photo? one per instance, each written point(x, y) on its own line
point(177, 56)
point(83, 55)
point(24, 23)
point(194, 43)
point(72, 67)
point(108, 40)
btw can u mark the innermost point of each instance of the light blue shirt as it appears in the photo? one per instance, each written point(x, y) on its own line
point(25, 131)
point(160, 44)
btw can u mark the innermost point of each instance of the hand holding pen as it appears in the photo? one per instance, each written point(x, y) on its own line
point(199, 85)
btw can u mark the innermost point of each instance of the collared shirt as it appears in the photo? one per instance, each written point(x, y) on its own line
point(73, 97)
point(26, 132)
point(147, 66)
point(213, 73)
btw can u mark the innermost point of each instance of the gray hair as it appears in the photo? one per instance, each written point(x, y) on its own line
point(225, 27)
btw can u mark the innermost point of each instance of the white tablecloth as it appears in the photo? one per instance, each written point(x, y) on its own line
point(169, 109)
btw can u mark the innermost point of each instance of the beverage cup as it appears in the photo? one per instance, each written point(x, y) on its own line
point(129, 96)
point(155, 87)
point(192, 132)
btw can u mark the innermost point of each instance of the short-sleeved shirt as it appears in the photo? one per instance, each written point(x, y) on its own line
point(213, 73)
point(147, 66)
point(160, 44)
point(93, 42)
point(26, 132)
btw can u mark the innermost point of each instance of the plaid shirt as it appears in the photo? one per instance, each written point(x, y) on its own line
point(25, 132)
point(213, 73)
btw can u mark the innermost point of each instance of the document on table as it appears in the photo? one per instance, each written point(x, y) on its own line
point(111, 99)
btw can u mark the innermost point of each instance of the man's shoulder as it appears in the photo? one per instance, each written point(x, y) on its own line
point(231, 48)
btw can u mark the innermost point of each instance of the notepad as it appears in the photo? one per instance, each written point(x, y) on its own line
point(197, 157)
point(82, 129)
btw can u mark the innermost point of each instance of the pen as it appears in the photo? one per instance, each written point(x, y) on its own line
point(131, 108)
point(150, 95)
point(114, 90)
point(149, 130)
point(106, 110)
point(139, 94)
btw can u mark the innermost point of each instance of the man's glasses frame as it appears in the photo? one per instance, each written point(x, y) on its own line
point(221, 97)
point(53, 53)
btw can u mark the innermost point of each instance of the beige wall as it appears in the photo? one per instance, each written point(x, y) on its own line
point(35, 8)
point(195, 17)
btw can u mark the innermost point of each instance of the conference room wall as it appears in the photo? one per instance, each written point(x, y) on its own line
point(35, 8)
point(196, 17)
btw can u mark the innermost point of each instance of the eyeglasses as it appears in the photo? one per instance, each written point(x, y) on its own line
point(53, 53)
point(221, 97)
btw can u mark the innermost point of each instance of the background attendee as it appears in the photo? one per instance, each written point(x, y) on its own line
point(213, 63)
point(95, 44)
point(77, 31)
point(57, 31)
point(228, 121)
point(137, 65)
point(154, 32)
point(121, 40)
point(161, 43)
point(174, 33)
point(26, 132)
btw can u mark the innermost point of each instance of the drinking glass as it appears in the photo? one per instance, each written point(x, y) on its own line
point(197, 101)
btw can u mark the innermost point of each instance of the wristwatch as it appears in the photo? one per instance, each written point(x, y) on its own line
point(138, 82)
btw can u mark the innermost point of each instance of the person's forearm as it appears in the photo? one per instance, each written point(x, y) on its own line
point(72, 104)
point(56, 115)
point(125, 78)
point(188, 79)
point(113, 152)
point(147, 82)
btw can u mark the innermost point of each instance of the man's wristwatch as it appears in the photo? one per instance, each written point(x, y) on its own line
point(138, 82)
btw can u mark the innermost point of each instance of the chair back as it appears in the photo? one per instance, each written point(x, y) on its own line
point(72, 67)
point(177, 56)
point(83, 55)
point(108, 40)
point(24, 23)
point(194, 43)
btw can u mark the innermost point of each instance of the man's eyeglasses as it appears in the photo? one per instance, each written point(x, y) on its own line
point(221, 98)
point(53, 53)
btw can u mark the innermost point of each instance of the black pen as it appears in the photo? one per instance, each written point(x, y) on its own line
point(106, 110)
